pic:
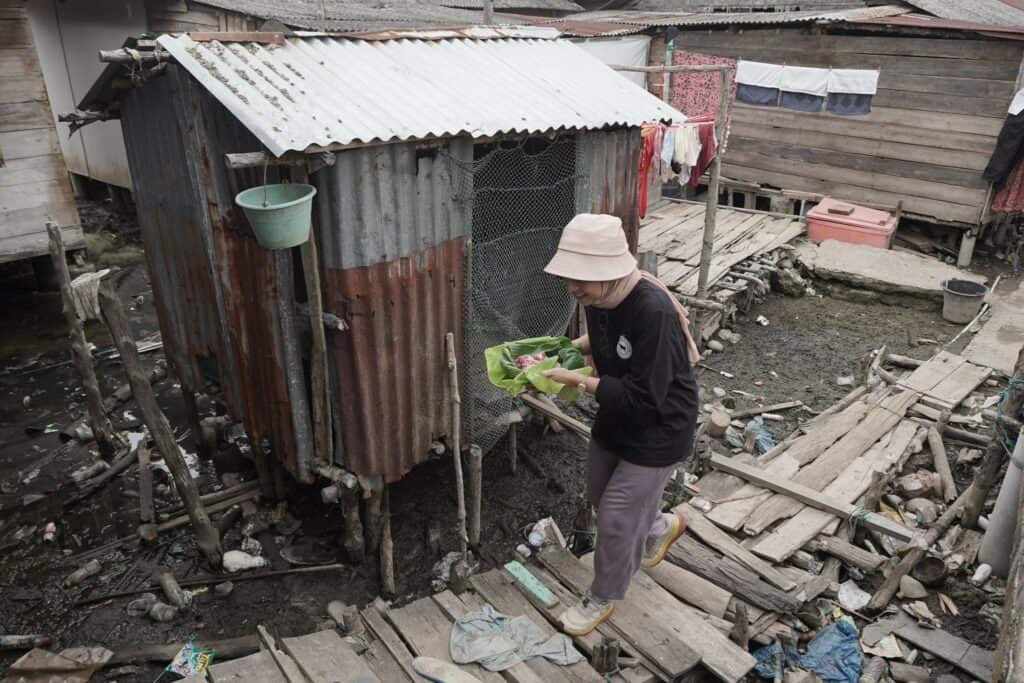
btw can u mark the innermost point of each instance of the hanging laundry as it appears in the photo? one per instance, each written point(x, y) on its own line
point(804, 88)
point(708, 148)
point(696, 94)
point(687, 150)
point(850, 91)
point(650, 149)
point(758, 83)
point(1008, 150)
point(668, 146)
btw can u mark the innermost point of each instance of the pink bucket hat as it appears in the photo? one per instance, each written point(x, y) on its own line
point(593, 248)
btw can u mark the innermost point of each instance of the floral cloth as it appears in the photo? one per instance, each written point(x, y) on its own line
point(696, 94)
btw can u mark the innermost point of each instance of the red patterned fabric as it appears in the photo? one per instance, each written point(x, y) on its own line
point(650, 139)
point(696, 94)
point(707, 147)
point(1011, 197)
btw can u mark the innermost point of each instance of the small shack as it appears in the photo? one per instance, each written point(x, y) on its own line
point(446, 164)
point(943, 89)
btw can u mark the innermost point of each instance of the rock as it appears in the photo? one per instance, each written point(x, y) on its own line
point(846, 380)
point(719, 392)
point(912, 589)
point(981, 574)
point(236, 560)
point(892, 499)
point(968, 456)
point(718, 422)
point(852, 597)
point(326, 625)
point(926, 511)
point(336, 611)
point(716, 345)
point(141, 605)
point(223, 589)
point(148, 532)
point(947, 678)
point(163, 612)
point(913, 485)
point(789, 282)
point(906, 673)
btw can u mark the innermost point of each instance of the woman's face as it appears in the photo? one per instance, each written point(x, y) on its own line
point(585, 292)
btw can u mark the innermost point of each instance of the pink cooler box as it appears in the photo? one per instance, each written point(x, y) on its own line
point(832, 219)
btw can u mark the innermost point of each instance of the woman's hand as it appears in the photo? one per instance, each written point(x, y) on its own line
point(572, 379)
point(583, 344)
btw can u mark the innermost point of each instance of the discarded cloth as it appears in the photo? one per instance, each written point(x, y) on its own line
point(833, 654)
point(497, 641)
point(85, 291)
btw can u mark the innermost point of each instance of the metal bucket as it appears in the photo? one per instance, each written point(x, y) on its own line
point(962, 300)
point(279, 214)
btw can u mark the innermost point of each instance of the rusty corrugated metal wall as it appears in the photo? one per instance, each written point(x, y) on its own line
point(609, 164)
point(391, 235)
point(226, 305)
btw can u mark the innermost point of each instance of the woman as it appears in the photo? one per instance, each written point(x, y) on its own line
point(647, 405)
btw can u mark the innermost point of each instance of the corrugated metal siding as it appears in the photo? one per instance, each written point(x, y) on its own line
point(609, 164)
point(325, 91)
point(390, 366)
point(391, 231)
point(682, 18)
point(995, 12)
point(218, 294)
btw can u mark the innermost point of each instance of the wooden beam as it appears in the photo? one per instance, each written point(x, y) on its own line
point(813, 498)
point(552, 411)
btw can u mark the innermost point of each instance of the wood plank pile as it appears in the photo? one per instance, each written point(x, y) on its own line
point(748, 246)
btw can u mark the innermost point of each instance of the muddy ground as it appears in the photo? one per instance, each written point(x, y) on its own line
point(807, 344)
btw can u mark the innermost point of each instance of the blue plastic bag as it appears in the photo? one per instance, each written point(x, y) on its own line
point(834, 655)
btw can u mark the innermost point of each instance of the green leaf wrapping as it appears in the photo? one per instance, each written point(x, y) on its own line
point(504, 373)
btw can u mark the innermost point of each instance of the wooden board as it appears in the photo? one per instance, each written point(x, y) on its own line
point(960, 384)
point(384, 664)
point(957, 651)
point(389, 640)
point(255, 668)
point(997, 344)
point(504, 596)
point(656, 640)
point(834, 427)
point(888, 271)
point(691, 588)
point(730, 514)
point(325, 658)
point(839, 496)
point(691, 554)
point(723, 543)
point(427, 630)
point(880, 420)
point(933, 371)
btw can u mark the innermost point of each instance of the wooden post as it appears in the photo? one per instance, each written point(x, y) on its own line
point(101, 427)
point(476, 467)
point(941, 461)
point(656, 57)
point(387, 551)
point(319, 368)
point(146, 513)
point(206, 534)
point(373, 497)
point(205, 449)
point(996, 450)
point(1009, 659)
point(513, 447)
point(456, 442)
point(708, 245)
point(353, 534)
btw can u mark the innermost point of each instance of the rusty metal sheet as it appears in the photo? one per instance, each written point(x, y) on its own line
point(390, 366)
point(609, 163)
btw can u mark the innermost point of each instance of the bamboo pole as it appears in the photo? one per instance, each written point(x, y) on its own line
point(101, 427)
point(476, 466)
point(456, 438)
point(387, 550)
point(207, 537)
point(353, 534)
point(996, 451)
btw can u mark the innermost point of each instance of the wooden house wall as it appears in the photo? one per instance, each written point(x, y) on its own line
point(34, 185)
point(934, 121)
point(176, 16)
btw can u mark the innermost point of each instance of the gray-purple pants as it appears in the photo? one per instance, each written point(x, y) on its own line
point(628, 502)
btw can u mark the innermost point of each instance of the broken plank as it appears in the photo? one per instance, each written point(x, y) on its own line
point(257, 668)
point(323, 657)
point(391, 641)
point(691, 554)
point(664, 648)
point(722, 657)
point(957, 651)
point(732, 513)
point(719, 487)
point(839, 496)
point(817, 475)
point(503, 596)
point(864, 560)
point(936, 369)
point(427, 630)
point(774, 408)
point(959, 384)
point(529, 583)
point(723, 543)
point(691, 588)
point(384, 664)
point(812, 444)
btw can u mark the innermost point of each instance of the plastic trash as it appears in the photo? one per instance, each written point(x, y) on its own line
point(90, 568)
point(545, 532)
point(142, 604)
point(161, 611)
point(833, 655)
point(236, 561)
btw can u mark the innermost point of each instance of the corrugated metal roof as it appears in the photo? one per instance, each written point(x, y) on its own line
point(570, 26)
point(924, 21)
point(344, 15)
point(548, 5)
point(328, 92)
point(992, 12)
point(679, 18)
point(755, 5)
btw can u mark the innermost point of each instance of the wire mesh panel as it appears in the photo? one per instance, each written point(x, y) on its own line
point(523, 192)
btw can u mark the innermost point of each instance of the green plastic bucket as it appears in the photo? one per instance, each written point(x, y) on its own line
point(279, 214)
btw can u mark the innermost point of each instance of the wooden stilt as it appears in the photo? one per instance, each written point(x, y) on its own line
point(263, 471)
point(996, 451)
point(353, 534)
point(387, 551)
point(203, 447)
point(146, 513)
point(373, 497)
point(206, 534)
point(456, 443)
point(476, 467)
point(101, 427)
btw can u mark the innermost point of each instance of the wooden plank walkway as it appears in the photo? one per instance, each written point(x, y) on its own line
point(997, 343)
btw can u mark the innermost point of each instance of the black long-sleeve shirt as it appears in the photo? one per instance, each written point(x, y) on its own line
point(647, 396)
